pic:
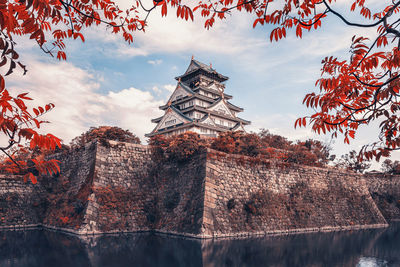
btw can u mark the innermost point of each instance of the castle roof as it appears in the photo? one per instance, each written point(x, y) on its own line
point(196, 67)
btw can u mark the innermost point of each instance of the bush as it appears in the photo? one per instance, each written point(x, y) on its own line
point(184, 146)
point(265, 145)
point(104, 133)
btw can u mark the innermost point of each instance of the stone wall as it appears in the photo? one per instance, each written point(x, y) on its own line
point(67, 194)
point(120, 187)
point(131, 192)
point(385, 190)
point(242, 197)
point(20, 203)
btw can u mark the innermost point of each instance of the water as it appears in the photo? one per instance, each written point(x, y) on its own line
point(365, 248)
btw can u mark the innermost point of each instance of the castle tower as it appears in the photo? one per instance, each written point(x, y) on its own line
point(199, 104)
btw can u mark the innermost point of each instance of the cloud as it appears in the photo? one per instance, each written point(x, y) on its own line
point(172, 35)
point(170, 87)
point(155, 62)
point(79, 105)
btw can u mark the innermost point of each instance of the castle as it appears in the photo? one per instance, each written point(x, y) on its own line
point(112, 186)
point(199, 104)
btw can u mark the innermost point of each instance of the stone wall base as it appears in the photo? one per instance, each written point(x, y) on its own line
point(200, 236)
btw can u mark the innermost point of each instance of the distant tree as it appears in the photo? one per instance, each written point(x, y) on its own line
point(105, 133)
point(309, 152)
point(227, 142)
point(391, 167)
point(352, 161)
point(238, 142)
point(273, 140)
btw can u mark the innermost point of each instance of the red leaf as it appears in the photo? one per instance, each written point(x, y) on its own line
point(164, 9)
point(33, 178)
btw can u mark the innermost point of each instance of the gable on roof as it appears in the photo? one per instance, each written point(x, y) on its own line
point(213, 86)
point(181, 91)
point(221, 107)
point(207, 120)
point(171, 117)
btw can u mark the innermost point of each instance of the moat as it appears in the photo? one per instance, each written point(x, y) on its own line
point(373, 247)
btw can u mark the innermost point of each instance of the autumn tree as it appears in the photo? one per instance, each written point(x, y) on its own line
point(20, 127)
point(310, 152)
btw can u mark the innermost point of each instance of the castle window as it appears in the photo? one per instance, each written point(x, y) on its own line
point(230, 124)
point(203, 130)
point(170, 122)
point(221, 110)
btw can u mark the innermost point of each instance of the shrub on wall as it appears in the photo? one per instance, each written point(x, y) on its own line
point(177, 148)
point(260, 146)
point(184, 146)
point(104, 133)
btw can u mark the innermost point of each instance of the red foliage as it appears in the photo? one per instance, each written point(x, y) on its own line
point(257, 146)
point(105, 133)
point(183, 146)
point(177, 148)
point(18, 125)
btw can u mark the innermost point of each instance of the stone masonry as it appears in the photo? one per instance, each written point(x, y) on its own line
point(110, 186)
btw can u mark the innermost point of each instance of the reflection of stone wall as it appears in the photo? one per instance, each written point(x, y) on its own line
point(345, 249)
point(385, 190)
point(117, 187)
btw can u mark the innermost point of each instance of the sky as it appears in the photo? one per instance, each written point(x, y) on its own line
point(106, 81)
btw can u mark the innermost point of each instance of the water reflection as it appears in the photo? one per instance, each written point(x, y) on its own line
point(380, 247)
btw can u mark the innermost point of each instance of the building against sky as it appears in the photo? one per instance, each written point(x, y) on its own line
point(199, 104)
